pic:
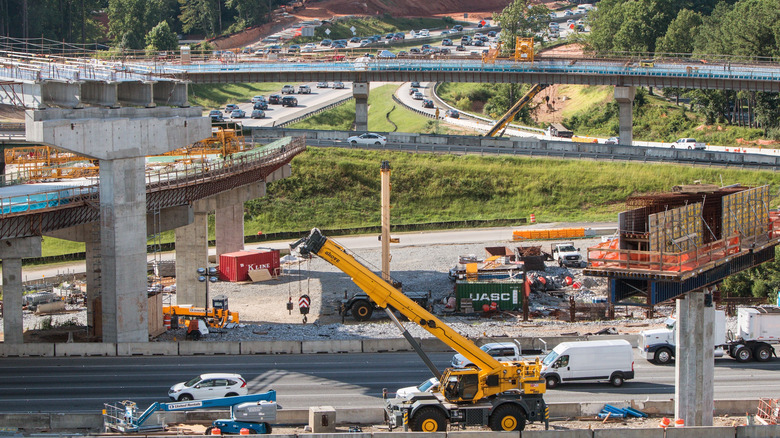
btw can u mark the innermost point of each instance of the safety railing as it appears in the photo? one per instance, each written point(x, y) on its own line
point(46, 200)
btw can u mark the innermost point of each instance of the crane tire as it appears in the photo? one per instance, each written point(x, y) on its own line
point(429, 419)
point(362, 310)
point(507, 417)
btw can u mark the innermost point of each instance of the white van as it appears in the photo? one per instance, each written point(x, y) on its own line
point(611, 361)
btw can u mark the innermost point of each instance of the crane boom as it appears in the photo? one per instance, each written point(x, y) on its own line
point(492, 377)
point(506, 118)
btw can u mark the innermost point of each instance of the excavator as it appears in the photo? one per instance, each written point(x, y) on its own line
point(501, 395)
point(503, 122)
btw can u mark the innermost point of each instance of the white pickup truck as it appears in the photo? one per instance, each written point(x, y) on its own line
point(565, 254)
point(688, 143)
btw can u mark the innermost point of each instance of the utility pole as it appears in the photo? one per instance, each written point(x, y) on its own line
point(385, 193)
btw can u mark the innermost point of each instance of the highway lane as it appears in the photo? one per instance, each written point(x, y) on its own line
point(341, 380)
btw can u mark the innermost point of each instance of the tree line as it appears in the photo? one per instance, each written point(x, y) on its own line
point(132, 24)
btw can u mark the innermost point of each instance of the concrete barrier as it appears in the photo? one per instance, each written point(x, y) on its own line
point(332, 346)
point(70, 421)
point(410, 434)
point(700, 432)
point(85, 349)
point(568, 410)
point(25, 350)
point(147, 349)
point(579, 433)
point(758, 431)
point(480, 434)
point(434, 345)
point(271, 347)
point(360, 415)
point(292, 416)
point(383, 345)
point(191, 348)
point(633, 433)
point(732, 407)
point(25, 421)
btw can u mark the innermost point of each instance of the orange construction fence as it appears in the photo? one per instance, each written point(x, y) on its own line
point(554, 233)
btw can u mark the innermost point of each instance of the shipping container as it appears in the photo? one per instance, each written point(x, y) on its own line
point(235, 266)
point(507, 294)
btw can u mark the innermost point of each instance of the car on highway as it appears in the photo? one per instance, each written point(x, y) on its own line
point(289, 101)
point(430, 385)
point(390, 36)
point(304, 89)
point(257, 98)
point(206, 386)
point(367, 138)
point(414, 51)
point(445, 51)
point(460, 48)
point(274, 99)
point(288, 89)
point(446, 42)
point(425, 47)
point(457, 28)
point(260, 105)
point(354, 40)
point(412, 91)
point(478, 43)
point(229, 108)
point(403, 54)
point(295, 48)
point(322, 85)
point(364, 43)
point(452, 113)
point(338, 85)
point(238, 114)
point(415, 84)
point(216, 115)
point(339, 46)
point(418, 96)
point(258, 114)
point(491, 34)
point(400, 35)
point(611, 140)
point(427, 103)
point(326, 43)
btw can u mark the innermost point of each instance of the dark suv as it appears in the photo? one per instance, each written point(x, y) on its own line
point(275, 99)
point(289, 101)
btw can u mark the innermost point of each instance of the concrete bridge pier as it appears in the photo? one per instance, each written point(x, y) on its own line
point(694, 366)
point(120, 138)
point(12, 251)
point(192, 252)
point(625, 99)
point(229, 220)
point(360, 92)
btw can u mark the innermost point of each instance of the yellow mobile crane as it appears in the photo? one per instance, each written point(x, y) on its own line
point(506, 118)
point(502, 395)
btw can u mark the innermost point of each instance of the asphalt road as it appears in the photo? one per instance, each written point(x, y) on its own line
point(340, 380)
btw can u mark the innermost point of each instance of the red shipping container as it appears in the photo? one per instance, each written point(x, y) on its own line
point(235, 266)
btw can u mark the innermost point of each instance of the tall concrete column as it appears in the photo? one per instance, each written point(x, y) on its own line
point(11, 252)
point(694, 361)
point(625, 99)
point(192, 252)
point(123, 250)
point(94, 268)
point(360, 92)
point(229, 225)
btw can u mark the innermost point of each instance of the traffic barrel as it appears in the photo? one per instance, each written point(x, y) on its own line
point(216, 431)
point(533, 218)
point(244, 431)
point(167, 322)
point(679, 422)
point(665, 422)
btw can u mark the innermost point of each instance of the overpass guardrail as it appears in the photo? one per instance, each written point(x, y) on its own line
point(529, 146)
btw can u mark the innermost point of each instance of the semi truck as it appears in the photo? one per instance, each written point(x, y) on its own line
point(501, 395)
point(757, 329)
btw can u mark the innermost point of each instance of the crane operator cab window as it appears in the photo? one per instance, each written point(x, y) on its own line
point(463, 387)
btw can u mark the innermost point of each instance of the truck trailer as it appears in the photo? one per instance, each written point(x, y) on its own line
point(757, 329)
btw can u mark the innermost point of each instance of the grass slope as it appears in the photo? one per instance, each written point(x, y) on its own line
point(218, 95)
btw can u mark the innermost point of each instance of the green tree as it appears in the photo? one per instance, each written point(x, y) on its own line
point(200, 16)
point(518, 20)
point(161, 37)
point(130, 20)
point(681, 33)
point(630, 26)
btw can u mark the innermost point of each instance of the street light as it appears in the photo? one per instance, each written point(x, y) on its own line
point(212, 277)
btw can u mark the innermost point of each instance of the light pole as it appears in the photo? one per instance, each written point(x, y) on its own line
point(212, 277)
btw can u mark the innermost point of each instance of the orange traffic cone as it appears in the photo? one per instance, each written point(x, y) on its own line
point(679, 422)
point(665, 422)
point(244, 431)
point(216, 431)
point(533, 218)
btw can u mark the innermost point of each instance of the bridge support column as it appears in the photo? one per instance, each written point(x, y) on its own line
point(93, 270)
point(360, 92)
point(625, 99)
point(229, 219)
point(694, 360)
point(123, 250)
point(11, 252)
point(192, 252)
point(170, 93)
